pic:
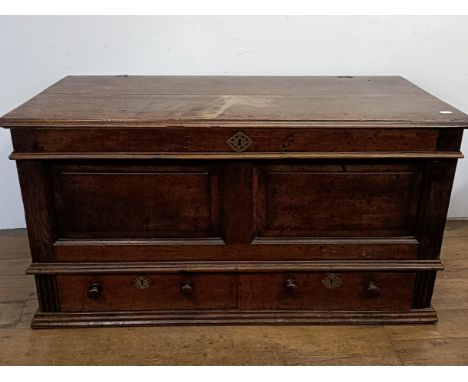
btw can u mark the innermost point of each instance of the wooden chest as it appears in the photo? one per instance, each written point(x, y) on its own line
point(241, 200)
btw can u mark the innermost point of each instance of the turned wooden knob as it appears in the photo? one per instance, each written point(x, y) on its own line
point(373, 289)
point(291, 286)
point(187, 288)
point(94, 290)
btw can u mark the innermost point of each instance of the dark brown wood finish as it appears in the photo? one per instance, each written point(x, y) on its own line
point(36, 200)
point(145, 101)
point(214, 139)
point(126, 201)
point(205, 291)
point(329, 209)
point(238, 203)
point(233, 266)
point(310, 291)
point(423, 289)
point(438, 192)
point(380, 200)
point(47, 293)
point(227, 317)
point(277, 291)
point(99, 250)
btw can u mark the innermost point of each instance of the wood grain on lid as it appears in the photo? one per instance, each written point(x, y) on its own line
point(181, 101)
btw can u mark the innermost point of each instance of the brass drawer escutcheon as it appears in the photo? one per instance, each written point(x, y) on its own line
point(142, 282)
point(239, 141)
point(332, 281)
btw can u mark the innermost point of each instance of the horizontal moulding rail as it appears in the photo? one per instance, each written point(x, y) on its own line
point(239, 156)
point(232, 266)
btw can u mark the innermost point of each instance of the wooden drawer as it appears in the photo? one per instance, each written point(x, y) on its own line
point(80, 293)
point(327, 291)
point(315, 291)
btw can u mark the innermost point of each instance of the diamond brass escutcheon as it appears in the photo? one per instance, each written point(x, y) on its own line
point(239, 141)
point(332, 281)
point(142, 282)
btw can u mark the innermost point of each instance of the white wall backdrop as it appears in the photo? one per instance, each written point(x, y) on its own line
point(37, 51)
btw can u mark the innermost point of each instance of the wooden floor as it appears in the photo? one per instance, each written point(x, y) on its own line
point(445, 343)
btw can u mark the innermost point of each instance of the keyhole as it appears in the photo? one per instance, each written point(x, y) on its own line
point(239, 141)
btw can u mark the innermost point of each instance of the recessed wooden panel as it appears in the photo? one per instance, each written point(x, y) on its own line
point(315, 291)
point(136, 201)
point(337, 200)
point(122, 292)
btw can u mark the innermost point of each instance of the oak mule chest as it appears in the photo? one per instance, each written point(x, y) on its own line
point(240, 200)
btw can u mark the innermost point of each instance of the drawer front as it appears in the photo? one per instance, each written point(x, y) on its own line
point(344, 291)
point(358, 291)
point(88, 293)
